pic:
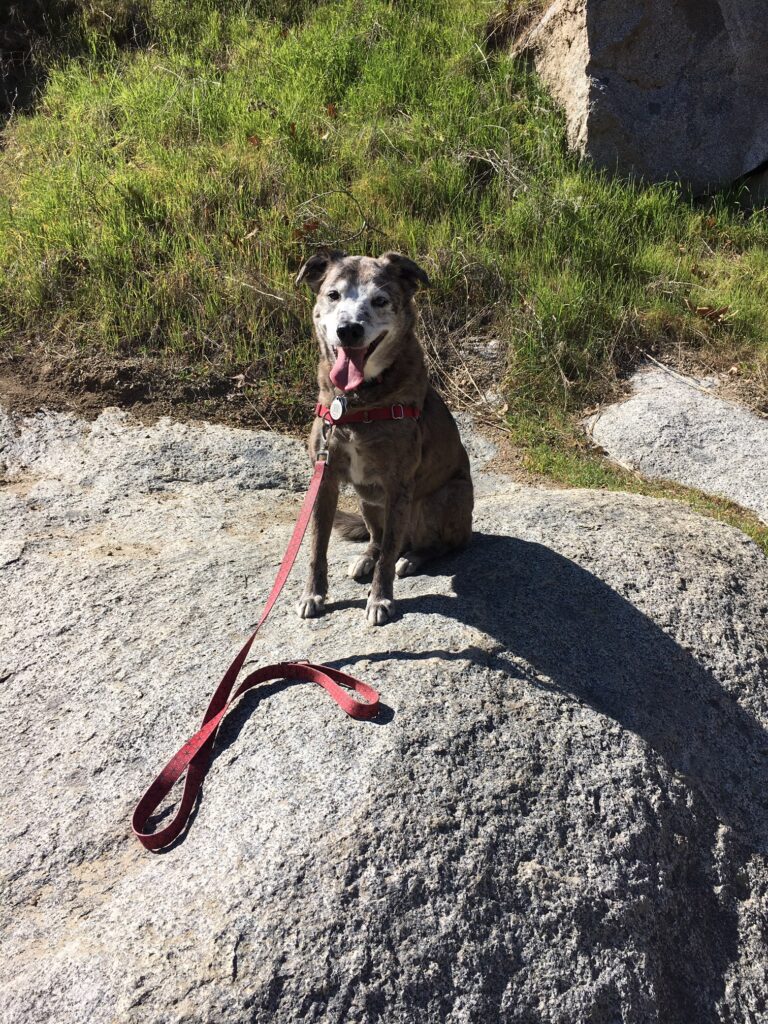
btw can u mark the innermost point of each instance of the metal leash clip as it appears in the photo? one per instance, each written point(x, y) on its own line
point(323, 454)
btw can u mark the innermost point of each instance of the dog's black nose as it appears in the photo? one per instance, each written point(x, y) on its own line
point(350, 334)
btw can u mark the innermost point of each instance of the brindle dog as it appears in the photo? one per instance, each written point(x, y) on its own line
point(411, 475)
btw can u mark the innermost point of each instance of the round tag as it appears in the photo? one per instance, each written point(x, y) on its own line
point(338, 408)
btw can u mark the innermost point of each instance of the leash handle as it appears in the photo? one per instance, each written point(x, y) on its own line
point(194, 757)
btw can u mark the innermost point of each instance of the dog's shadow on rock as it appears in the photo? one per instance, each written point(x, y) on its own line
point(594, 645)
point(560, 627)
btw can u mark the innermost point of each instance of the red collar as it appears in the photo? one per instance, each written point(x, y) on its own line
point(387, 412)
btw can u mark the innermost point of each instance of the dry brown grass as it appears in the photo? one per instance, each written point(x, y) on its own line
point(510, 21)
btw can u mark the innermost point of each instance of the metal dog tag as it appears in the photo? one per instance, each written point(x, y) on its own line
point(338, 408)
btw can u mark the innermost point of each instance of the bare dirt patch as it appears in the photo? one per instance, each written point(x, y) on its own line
point(148, 387)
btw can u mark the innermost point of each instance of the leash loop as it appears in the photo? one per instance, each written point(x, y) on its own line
point(194, 757)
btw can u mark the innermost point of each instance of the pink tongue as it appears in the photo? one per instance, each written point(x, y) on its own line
point(347, 371)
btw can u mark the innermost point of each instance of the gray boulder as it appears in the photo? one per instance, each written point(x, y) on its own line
point(561, 817)
point(676, 428)
point(664, 89)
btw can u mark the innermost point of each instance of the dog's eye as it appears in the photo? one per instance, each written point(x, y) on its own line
point(333, 295)
point(379, 300)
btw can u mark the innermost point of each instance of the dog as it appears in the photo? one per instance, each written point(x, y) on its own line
point(410, 472)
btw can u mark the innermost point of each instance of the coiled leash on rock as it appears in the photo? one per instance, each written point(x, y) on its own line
point(194, 757)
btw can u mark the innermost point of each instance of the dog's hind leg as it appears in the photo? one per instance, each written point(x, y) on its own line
point(441, 522)
point(361, 568)
point(409, 563)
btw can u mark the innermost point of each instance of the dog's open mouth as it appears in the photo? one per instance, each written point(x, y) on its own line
point(348, 370)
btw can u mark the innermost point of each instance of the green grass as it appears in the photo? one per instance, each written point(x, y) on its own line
point(155, 188)
point(185, 158)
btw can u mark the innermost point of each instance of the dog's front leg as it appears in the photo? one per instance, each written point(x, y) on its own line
point(312, 601)
point(381, 605)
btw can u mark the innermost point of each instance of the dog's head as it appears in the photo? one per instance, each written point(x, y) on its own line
point(362, 311)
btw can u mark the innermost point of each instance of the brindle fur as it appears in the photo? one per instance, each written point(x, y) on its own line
point(412, 477)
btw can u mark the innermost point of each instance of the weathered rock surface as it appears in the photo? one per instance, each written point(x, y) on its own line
point(562, 817)
point(665, 89)
point(670, 428)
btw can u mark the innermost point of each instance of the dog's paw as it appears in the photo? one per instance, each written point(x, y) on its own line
point(309, 606)
point(379, 611)
point(408, 564)
point(361, 567)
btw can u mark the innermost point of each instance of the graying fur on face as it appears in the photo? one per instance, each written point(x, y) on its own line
point(368, 299)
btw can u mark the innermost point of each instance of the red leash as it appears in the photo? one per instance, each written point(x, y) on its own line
point(194, 757)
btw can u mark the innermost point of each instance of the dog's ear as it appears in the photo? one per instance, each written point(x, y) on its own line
point(317, 266)
point(409, 272)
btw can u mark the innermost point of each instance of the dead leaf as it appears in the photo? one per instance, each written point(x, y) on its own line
point(331, 110)
point(309, 227)
point(713, 313)
point(254, 140)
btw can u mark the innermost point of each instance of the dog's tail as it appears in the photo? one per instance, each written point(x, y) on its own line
point(350, 526)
